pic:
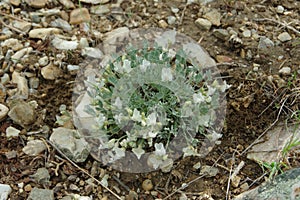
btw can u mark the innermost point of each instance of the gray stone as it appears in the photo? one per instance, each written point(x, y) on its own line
point(209, 170)
point(214, 16)
point(12, 132)
point(247, 33)
point(171, 20)
point(92, 52)
point(34, 147)
point(174, 10)
point(265, 43)
point(284, 37)
point(36, 3)
point(21, 113)
point(95, 1)
point(5, 190)
point(22, 85)
point(60, 23)
point(83, 43)
point(100, 10)
point(38, 194)
point(22, 25)
point(203, 23)
point(71, 143)
point(64, 44)
point(41, 176)
point(221, 33)
point(111, 37)
point(51, 72)
point(285, 71)
point(284, 186)
point(13, 44)
point(43, 33)
point(3, 111)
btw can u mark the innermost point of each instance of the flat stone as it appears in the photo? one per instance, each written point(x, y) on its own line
point(12, 43)
point(79, 16)
point(214, 16)
point(171, 20)
point(95, 1)
point(221, 33)
point(71, 143)
point(36, 3)
point(284, 186)
point(64, 44)
point(41, 176)
point(12, 132)
point(21, 113)
point(51, 72)
point(100, 10)
point(67, 3)
point(209, 170)
point(265, 43)
point(284, 37)
point(5, 190)
point(285, 71)
point(15, 2)
point(42, 33)
point(60, 23)
point(203, 23)
point(38, 194)
point(22, 25)
point(3, 111)
point(92, 52)
point(34, 147)
point(22, 85)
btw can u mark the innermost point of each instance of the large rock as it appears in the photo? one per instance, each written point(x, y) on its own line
point(284, 186)
point(71, 143)
point(5, 190)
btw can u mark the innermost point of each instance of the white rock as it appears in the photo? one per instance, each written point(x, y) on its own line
point(285, 71)
point(79, 15)
point(34, 147)
point(92, 52)
point(36, 3)
point(12, 43)
point(284, 37)
point(214, 16)
point(67, 3)
point(73, 67)
point(100, 10)
point(19, 54)
point(3, 111)
point(171, 20)
point(247, 33)
point(280, 9)
point(203, 23)
point(42, 33)
point(43, 61)
point(5, 190)
point(64, 44)
point(60, 23)
point(5, 79)
point(22, 25)
point(12, 132)
point(22, 85)
point(83, 43)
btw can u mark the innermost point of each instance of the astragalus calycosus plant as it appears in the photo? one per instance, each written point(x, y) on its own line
point(154, 102)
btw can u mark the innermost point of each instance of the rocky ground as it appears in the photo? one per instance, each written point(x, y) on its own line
point(43, 44)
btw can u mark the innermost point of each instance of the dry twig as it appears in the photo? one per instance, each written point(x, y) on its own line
point(278, 22)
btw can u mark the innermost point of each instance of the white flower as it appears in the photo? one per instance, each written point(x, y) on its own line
point(119, 118)
point(211, 90)
point(152, 134)
point(166, 74)
point(136, 116)
point(118, 103)
point(145, 65)
point(127, 66)
point(151, 119)
point(198, 97)
point(159, 149)
point(138, 152)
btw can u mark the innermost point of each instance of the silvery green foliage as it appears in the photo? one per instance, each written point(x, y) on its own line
point(149, 96)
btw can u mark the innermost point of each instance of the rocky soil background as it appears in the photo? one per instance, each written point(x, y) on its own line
point(43, 44)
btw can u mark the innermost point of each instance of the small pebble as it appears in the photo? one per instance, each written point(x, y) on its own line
point(171, 20)
point(147, 185)
point(12, 132)
point(285, 71)
point(280, 9)
point(284, 37)
point(3, 111)
point(246, 33)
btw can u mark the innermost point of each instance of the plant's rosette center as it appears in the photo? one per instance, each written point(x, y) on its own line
point(154, 96)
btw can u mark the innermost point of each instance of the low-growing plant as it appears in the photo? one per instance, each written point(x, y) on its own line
point(147, 98)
